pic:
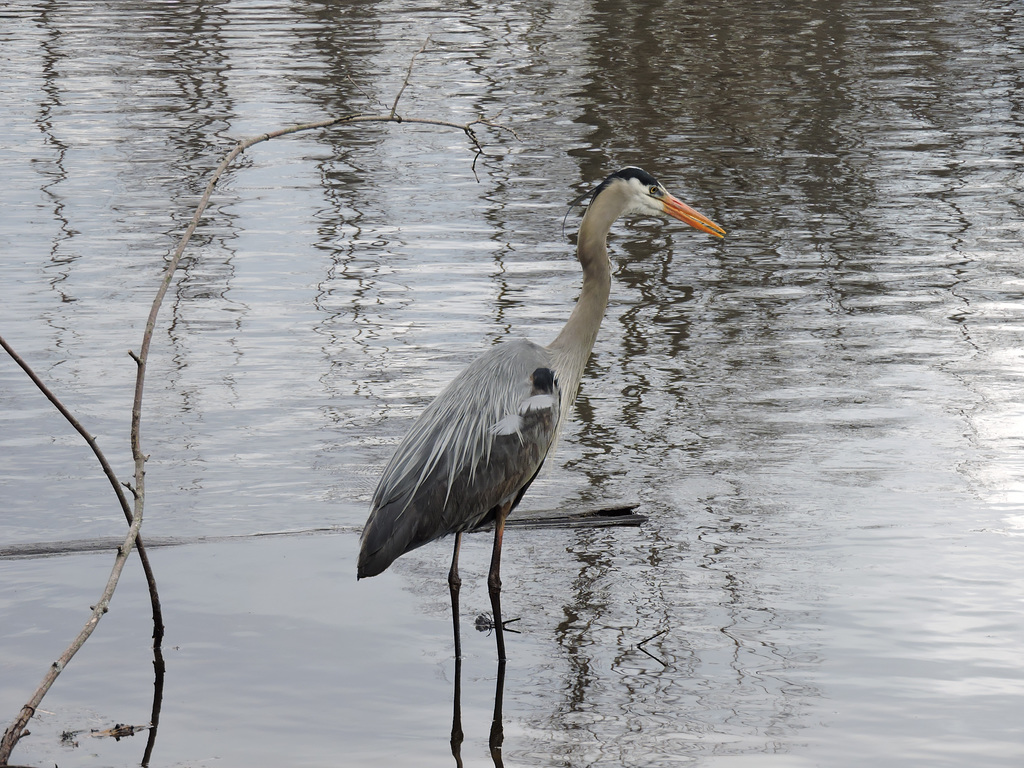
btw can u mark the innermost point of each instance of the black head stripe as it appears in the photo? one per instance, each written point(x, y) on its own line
point(631, 172)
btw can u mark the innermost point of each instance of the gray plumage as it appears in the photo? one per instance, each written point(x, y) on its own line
point(458, 466)
point(476, 448)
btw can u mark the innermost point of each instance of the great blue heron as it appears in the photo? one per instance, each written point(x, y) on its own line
point(471, 455)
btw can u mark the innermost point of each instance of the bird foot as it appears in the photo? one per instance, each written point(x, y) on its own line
point(485, 623)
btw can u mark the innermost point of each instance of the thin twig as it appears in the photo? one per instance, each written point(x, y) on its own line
point(408, 74)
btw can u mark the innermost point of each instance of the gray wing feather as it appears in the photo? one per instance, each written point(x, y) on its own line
point(454, 468)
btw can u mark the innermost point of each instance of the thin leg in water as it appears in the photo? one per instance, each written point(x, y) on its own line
point(454, 583)
point(494, 579)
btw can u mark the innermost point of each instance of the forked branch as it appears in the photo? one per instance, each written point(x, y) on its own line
point(17, 728)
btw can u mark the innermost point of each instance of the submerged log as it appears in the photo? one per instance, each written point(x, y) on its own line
point(625, 515)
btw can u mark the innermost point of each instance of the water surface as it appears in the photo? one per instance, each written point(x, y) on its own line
point(820, 415)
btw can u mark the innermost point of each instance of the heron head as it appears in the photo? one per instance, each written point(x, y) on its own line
point(644, 194)
point(648, 195)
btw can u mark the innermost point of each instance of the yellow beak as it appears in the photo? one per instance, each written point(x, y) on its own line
point(677, 209)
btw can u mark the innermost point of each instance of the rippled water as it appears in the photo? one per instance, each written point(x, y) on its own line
point(820, 415)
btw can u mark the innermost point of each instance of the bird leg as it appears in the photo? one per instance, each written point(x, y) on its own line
point(494, 579)
point(454, 583)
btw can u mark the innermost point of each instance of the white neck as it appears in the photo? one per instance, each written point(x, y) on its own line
point(572, 347)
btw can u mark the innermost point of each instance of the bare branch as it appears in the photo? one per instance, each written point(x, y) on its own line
point(408, 74)
point(15, 731)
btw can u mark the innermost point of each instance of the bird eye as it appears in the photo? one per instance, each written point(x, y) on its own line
point(654, 191)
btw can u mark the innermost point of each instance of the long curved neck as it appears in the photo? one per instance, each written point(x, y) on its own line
point(571, 348)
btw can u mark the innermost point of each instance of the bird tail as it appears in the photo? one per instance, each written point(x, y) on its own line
point(393, 529)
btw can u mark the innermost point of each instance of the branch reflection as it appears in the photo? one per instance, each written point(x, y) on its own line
point(159, 670)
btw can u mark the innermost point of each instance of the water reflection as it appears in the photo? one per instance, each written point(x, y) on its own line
point(496, 736)
point(822, 420)
point(53, 170)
